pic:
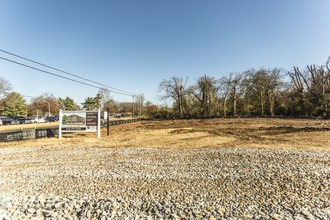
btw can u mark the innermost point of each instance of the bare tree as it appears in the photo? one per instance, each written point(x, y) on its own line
point(205, 92)
point(298, 94)
point(313, 84)
point(5, 86)
point(104, 94)
point(45, 104)
point(174, 88)
point(139, 99)
point(296, 78)
point(224, 89)
point(235, 83)
point(273, 83)
point(262, 86)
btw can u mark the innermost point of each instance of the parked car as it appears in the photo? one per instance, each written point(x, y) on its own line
point(117, 115)
point(14, 122)
point(38, 119)
point(7, 121)
point(3, 120)
point(52, 118)
point(23, 120)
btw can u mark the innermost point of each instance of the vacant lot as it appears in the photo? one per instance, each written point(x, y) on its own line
point(188, 169)
point(299, 134)
point(261, 133)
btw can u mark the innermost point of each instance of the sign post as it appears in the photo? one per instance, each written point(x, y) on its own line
point(108, 122)
point(60, 125)
point(98, 124)
point(80, 121)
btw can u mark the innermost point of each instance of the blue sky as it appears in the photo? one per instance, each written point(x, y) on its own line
point(133, 45)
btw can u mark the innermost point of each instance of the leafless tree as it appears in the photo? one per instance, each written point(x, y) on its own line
point(235, 83)
point(5, 86)
point(205, 92)
point(105, 97)
point(262, 86)
point(224, 89)
point(139, 99)
point(175, 88)
point(296, 77)
point(44, 104)
point(314, 82)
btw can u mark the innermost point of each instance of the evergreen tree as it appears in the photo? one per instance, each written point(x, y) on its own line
point(14, 105)
point(67, 104)
point(92, 102)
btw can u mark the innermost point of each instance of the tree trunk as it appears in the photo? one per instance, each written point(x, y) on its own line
point(262, 103)
point(271, 103)
point(235, 103)
point(224, 106)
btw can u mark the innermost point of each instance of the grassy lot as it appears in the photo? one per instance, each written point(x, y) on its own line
point(301, 134)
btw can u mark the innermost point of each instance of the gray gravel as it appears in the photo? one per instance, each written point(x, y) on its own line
point(144, 183)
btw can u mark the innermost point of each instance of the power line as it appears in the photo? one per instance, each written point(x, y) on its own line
point(63, 77)
point(65, 72)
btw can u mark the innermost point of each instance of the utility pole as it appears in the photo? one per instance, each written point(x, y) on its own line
point(108, 122)
point(133, 106)
point(48, 107)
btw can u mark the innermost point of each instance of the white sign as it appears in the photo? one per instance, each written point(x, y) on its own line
point(80, 121)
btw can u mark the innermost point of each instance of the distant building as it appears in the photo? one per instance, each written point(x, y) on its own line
point(75, 119)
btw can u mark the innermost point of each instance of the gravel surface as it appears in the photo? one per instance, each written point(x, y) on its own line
point(146, 183)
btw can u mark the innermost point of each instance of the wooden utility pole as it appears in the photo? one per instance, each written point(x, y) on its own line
point(133, 107)
point(108, 122)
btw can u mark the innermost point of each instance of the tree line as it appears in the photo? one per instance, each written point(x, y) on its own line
point(14, 104)
point(261, 92)
point(251, 93)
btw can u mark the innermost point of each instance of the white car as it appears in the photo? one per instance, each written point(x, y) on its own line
point(38, 119)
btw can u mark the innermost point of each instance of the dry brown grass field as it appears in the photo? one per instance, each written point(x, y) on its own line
point(303, 134)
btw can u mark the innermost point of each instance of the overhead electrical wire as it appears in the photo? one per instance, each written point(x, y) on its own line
point(57, 75)
point(65, 72)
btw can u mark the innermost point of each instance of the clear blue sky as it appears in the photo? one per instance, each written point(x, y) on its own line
point(133, 45)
